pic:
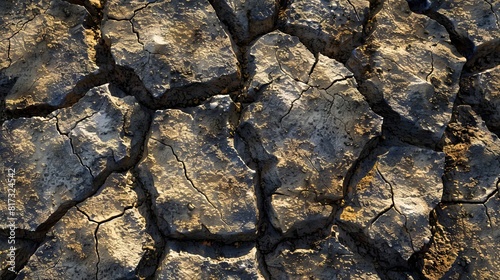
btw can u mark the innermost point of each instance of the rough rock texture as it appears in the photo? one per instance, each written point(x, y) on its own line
point(49, 173)
point(310, 155)
point(319, 259)
point(203, 261)
point(197, 181)
point(68, 252)
point(333, 28)
point(46, 49)
point(391, 204)
point(242, 139)
point(409, 74)
point(171, 44)
point(473, 167)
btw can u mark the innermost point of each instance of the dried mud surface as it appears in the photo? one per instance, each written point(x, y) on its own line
point(237, 139)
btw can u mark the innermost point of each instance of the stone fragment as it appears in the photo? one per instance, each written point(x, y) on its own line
point(409, 72)
point(200, 186)
point(392, 203)
point(333, 28)
point(172, 44)
point(326, 258)
point(115, 196)
point(46, 47)
point(69, 252)
point(48, 174)
point(207, 261)
point(482, 92)
point(120, 243)
point(465, 244)
point(311, 121)
point(102, 128)
point(473, 158)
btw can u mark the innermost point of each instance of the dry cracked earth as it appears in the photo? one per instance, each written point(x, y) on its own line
point(233, 139)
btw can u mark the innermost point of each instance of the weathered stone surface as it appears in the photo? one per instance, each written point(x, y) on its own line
point(473, 159)
point(204, 261)
point(45, 46)
point(198, 182)
point(478, 20)
point(411, 80)
point(482, 92)
point(250, 139)
point(333, 28)
point(246, 19)
point(171, 44)
point(48, 173)
point(102, 128)
point(121, 243)
point(465, 242)
point(313, 153)
point(121, 235)
point(115, 196)
point(327, 258)
point(392, 203)
point(68, 253)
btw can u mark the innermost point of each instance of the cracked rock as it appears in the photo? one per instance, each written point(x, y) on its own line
point(333, 28)
point(115, 196)
point(68, 253)
point(196, 179)
point(121, 243)
point(473, 158)
point(49, 175)
point(102, 127)
point(207, 261)
point(246, 19)
point(171, 44)
point(482, 92)
point(47, 48)
point(465, 242)
point(313, 153)
point(478, 20)
point(409, 73)
point(325, 258)
point(406, 186)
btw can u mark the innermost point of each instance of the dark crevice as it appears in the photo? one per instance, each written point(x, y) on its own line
point(291, 105)
point(43, 110)
point(152, 257)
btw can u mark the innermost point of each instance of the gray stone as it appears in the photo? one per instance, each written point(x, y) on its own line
point(333, 28)
point(325, 259)
point(121, 243)
point(465, 242)
point(48, 175)
point(482, 92)
point(102, 127)
point(46, 47)
point(478, 20)
point(473, 158)
point(115, 196)
point(171, 44)
point(312, 154)
point(392, 203)
point(197, 179)
point(207, 261)
point(412, 80)
point(247, 19)
point(68, 253)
